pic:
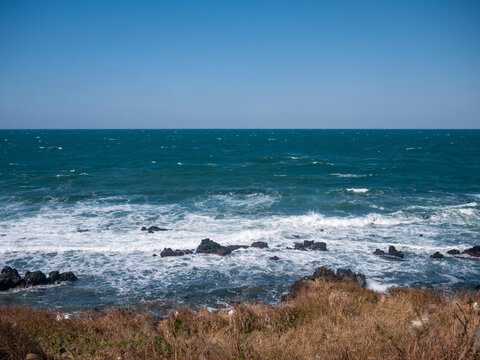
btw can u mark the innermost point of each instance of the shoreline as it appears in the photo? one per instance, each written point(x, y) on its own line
point(326, 315)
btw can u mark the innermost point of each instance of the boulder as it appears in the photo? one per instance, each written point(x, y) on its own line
point(274, 258)
point(453, 252)
point(320, 246)
point(55, 277)
point(67, 276)
point(347, 274)
point(392, 254)
point(35, 278)
point(188, 252)
point(322, 272)
point(208, 246)
point(153, 229)
point(169, 252)
point(437, 255)
point(310, 245)
point(10, 278)
point(82, 230)
point(259, 244)
point(474, 251)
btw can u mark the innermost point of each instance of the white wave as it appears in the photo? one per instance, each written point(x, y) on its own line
point(357, 190)
point(378, 287)
point(348, 175)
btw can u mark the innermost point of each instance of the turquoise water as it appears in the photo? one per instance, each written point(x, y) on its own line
point(356, 190)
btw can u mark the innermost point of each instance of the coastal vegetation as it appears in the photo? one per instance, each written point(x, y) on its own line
point(323, 317)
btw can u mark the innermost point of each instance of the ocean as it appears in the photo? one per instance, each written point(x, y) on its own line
point(355, 190)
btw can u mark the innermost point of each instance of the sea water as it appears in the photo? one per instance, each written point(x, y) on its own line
point(356, 190)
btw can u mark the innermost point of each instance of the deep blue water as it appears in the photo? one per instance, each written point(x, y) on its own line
point(354, 189)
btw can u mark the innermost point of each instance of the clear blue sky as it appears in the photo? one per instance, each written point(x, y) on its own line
point(240, 64)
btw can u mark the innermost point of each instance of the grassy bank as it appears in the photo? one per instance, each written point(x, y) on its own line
point(325, 320)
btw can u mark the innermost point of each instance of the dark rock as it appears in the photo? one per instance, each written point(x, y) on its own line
point(453, 252)
point(393, 254)
point(322, 272)
point(474, 251)
point(67, 276)
point(321, 246)
point(304, 284)
point(421, 235)
point(311, 245)
point(188, 252)
point(274, 258)
point(35, 278)
point(154, 255)
point(153, 229)
point(296, 236)
point(3, 234)
point(437, 255)
point(259, 244)
point(347, 274)
point(81, 230)
point(53, 276)
point(169, 252)
point(208, 246)
point(10, 278)
point(236, 247)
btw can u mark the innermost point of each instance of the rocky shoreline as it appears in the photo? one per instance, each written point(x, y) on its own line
point(10, 278)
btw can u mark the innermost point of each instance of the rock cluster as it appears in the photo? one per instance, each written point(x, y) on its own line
point(9, 278)
point(311, 245)
point(392, 254)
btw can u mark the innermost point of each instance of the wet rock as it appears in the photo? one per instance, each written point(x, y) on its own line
point(208, 246)
point(67, 276)
point(153, 229)
point(154, 255)
point(35, 278)
point(437, 255)
point(420, 235)
point(236, 247)
point(320, 246)
point(55, 277)
point(474, 251)
point(274, 258)
point(296, 236)
point(188, 252)
point(311, 245)
point(259, 244)
point(10, 278)
point(392, 254)
point(169, 252)
point(453, 252)
point(3, 235)
point(82, 230)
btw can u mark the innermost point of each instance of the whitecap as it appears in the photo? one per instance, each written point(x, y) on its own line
point(357, 191)
point(347, 175)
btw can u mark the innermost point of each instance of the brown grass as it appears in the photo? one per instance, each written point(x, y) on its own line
point(332, 320)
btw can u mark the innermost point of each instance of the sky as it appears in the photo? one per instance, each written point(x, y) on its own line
point(240, 64)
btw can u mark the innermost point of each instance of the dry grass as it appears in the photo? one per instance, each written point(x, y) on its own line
point(332, 320)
